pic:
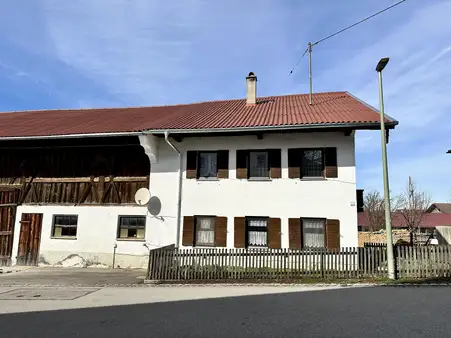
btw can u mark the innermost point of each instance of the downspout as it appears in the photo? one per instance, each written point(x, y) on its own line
point(179, 188)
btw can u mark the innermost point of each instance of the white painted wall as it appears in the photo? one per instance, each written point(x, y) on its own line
point(283, 198)
point(96, 236)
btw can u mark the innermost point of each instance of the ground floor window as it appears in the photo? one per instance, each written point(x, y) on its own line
point(131, 227)
point(313, 232)
point(64, 226)
point(257, 232)
point(205, 230)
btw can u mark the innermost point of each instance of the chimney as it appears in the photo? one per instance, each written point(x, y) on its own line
point(251, 89)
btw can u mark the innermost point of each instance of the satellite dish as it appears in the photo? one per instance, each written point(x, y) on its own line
point(142, 196)
point(154, 206)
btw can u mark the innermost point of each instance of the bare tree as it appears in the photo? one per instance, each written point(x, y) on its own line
point(414, 206)
point(374, 205)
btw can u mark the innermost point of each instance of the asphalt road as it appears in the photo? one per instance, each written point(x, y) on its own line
point(357, 312)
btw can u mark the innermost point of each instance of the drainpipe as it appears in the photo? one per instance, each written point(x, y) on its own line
point(179, 189)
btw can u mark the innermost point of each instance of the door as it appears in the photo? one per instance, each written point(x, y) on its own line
point(8, 205)
point(29, 239)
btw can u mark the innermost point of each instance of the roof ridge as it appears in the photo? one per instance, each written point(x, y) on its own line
point(163, 106)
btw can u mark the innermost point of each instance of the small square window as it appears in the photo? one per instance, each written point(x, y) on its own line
point(313, 163)
point(258, 164)
point(64, 226)
point(131, 227)
point(205, 231)
point(208, 164)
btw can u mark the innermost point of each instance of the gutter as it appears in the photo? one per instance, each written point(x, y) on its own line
point(389, 125)
point(179, 188)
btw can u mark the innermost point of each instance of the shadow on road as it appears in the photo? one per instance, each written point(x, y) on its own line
point(355, 312)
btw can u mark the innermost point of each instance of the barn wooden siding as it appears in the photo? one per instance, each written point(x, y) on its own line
point(77, 171)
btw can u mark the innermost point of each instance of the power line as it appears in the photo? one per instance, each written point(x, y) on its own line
point(294, 68)
point(358, 23)
point(338, 32)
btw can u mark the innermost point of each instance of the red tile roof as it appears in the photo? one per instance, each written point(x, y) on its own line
point(431, 220)
point(291, 111)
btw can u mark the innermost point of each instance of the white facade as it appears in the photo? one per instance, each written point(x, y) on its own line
point(95, 240)
point(284, 198)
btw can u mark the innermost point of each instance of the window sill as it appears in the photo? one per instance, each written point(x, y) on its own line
point(130, 240)
point(65, 238)
point(208, 179)
point(259, 179)
point(313, 179)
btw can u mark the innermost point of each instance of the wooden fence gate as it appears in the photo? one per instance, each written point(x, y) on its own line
point(8, 206)
point(30, 239)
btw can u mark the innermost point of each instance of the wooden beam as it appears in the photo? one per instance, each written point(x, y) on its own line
point(177, 138)
point(86, 179)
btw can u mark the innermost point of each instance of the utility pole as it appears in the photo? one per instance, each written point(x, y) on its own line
point(310, 71)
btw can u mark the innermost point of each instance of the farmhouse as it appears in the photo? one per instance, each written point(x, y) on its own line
point(259, 172)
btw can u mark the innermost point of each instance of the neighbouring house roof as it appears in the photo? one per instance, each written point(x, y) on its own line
point(442, 207)
point(333, 109)
point(429, 220)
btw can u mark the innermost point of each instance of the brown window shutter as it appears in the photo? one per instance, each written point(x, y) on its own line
point(221, 231)
point(275, 163)
point(191, 164)
point(188, 231)
point(274, 234)
point(241, 163)
point(240, 232)
point(223, 164)
point(330, 159)
point(294, 163)
point(333, 234)
point(294, 233)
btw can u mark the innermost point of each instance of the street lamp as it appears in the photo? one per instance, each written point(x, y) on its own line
point(390, 257)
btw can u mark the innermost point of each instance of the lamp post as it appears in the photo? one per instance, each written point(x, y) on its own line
point(390, 257)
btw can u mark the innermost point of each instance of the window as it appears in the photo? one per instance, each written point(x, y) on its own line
point(313, 232)
point(257, 232)
point(313, 163)
point(208, 164)
point(205, 231)
point(258, 164)
point(131, 227)
point(65, 226)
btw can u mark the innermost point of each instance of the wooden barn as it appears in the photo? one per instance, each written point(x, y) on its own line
point(40, 175)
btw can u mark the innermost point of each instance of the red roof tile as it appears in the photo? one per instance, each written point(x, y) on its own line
point(278, 111)
point(431, 220)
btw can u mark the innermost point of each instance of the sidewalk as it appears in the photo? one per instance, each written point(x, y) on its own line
point(15, 300)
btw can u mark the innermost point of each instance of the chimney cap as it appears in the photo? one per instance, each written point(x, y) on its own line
point(251, 75)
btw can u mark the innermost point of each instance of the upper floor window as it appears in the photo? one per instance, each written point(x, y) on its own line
point(264, 163)
point(258, 164)
point(64, 226)
point(312, 162)
point(207, 164)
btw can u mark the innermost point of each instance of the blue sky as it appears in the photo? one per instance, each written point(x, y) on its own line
point(107, 53)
